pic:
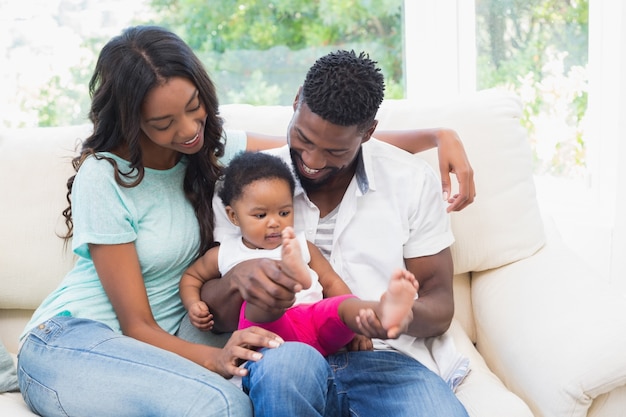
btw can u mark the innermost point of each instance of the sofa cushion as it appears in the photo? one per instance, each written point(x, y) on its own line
point(551, 329)
point(8, 374)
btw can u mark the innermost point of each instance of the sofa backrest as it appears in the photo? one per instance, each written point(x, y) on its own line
point(502, 226)
point(34, 167)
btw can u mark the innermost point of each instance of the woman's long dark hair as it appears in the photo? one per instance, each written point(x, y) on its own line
point(128, 67)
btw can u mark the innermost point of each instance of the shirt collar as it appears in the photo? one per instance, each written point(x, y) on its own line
point(362, 179)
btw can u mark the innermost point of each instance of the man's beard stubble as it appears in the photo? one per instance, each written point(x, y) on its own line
point(307, 183)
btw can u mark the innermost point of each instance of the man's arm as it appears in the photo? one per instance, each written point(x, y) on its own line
point(434, 308)
point(224, 301)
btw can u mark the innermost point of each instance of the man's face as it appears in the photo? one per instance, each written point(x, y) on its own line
point(322, 152)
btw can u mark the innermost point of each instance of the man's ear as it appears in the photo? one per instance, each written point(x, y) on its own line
point(232, 216)
point(295, 100)
point(369, 132)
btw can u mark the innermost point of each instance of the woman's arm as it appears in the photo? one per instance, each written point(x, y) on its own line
point(120, 274)
point(260, 142)
point(451, 154)
point(452, 159)
point(413, 141)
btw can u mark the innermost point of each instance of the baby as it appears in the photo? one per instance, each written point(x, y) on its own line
point(257, 193)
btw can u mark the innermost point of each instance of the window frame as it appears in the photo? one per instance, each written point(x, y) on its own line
point(607, 125)
point(437, 71)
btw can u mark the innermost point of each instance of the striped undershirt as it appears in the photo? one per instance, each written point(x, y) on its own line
point(324, 235)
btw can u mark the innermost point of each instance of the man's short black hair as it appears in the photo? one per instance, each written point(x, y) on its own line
point(344, 88)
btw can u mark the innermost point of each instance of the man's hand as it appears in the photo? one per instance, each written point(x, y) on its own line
point(262, 283)
point(370, 325)
point(360, 342)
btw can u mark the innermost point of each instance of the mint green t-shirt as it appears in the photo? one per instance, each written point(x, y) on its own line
point(155, 215)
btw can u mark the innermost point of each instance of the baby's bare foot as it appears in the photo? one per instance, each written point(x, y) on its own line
point(397, 303)
point(292, 262)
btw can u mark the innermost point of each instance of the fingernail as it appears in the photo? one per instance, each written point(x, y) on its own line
point(256, 356)
point(274, 343)
point(445, 195)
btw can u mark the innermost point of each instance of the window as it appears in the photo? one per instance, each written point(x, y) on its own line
point(538, 49)
point(49, 49)
point(429, 50)
point(255, 51)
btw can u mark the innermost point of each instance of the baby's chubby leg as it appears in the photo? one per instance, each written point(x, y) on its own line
point(395, 312)
point(292, 263)
point(389, 317)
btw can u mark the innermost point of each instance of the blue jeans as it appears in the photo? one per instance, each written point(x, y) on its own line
point(76, 367)
point(388, 383)
point(294, 380)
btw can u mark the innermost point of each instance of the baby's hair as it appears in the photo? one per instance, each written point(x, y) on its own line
point(247, 167)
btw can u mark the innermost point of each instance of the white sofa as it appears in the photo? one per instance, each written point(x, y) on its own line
point(545, 335)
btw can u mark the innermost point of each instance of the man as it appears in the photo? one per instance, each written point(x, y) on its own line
point(371, 208)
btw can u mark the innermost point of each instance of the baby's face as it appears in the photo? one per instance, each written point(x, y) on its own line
point(264, 209)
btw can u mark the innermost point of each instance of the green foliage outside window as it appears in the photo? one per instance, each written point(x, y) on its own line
point(259, 51)
point(538, 48)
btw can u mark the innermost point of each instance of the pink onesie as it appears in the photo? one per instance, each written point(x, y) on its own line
point(316, 324)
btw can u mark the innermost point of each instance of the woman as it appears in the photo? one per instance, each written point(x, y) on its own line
point(144, 182)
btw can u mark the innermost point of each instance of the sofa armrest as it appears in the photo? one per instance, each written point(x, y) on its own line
point(552, 330)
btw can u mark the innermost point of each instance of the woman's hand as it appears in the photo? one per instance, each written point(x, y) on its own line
point(241, 347)
point(453, 159)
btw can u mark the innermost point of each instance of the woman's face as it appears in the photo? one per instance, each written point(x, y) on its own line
point(172, 120)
